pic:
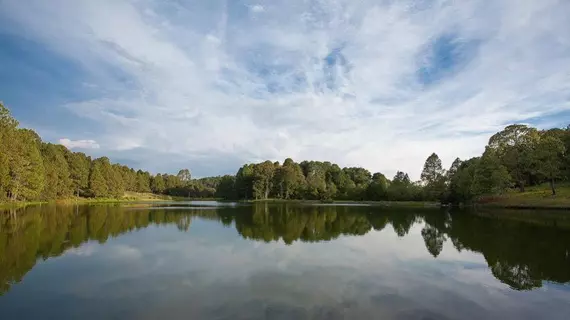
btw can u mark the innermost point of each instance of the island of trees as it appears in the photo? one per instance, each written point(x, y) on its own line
point(515, 158)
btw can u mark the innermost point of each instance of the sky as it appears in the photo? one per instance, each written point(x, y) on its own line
point(211, 85)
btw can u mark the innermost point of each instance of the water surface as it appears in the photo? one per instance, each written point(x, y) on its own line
point(206, 260)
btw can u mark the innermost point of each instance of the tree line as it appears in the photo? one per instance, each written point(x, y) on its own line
point(510, 247)
point(31, 169)
point(517, 157)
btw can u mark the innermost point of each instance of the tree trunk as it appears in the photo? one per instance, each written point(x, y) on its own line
point(521, 186)
point(552, 186)
point(520, 181)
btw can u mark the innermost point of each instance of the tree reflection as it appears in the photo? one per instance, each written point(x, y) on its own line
point(434, 232)
point(519, 253)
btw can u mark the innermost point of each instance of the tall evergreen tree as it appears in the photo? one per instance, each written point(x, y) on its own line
point(58, 183)
point(157, 184)
point(433, 178)
point(143, 181)
point(115, 181)
point(97, 184)
point(8, 127)
point(79, 167)
point(26, 166)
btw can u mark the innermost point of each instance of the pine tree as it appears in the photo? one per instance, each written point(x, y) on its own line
point(157, 184)
point(433, 178)
point(7, 131)
point(4, 171)
point(58, 183)
point(143, 181)
point(97, 183)
point(79, 167)
point(115, 182)
point(26, 167)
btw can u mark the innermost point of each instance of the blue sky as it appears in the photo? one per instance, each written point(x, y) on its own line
point(210, 85)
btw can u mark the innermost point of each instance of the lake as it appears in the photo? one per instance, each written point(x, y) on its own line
point(208, 260)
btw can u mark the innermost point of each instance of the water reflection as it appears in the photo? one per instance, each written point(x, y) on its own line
point(521, 252)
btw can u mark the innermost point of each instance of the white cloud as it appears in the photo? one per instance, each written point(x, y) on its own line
point(86, 250)
point(257, 8)
point(209, 81)
point(124, 252)
point(79, 144)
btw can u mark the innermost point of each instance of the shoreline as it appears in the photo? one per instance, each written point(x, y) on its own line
point(523, 205)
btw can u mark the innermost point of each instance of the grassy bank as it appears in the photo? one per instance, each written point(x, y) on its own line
point(536, 197)
point(128, 197)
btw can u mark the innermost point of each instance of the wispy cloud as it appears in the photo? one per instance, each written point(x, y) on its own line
point(376, 84)
point(79, 144)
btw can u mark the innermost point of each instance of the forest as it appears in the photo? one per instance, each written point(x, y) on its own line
point(517, 157)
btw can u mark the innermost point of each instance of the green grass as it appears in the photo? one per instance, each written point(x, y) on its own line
point(128, 197)
point(534, 197)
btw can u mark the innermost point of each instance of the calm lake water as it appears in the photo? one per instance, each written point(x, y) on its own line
point(204, 260)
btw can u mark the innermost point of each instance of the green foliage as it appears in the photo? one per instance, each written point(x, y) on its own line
point(115, 182)
point(157, 184)
point(244, 182)
point(514, 146)
point(461, 182)
point(79, 167)
point(26, 168)
point(550, 158)
point(433, 178)
point(401, 188)
point(263, 179)
point(4, 172)
point(143, 181)
point(378, 188)
point(315, 179)
point(97, 184)
point(289, 179)
point(184, 176)
point(129, 176)
point(227, 188)
point(490, 176)
point(7, 122)
point(7, 126)
point(58, 183)
point(171, 182)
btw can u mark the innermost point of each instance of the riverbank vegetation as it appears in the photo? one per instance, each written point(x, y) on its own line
point(519, 157)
